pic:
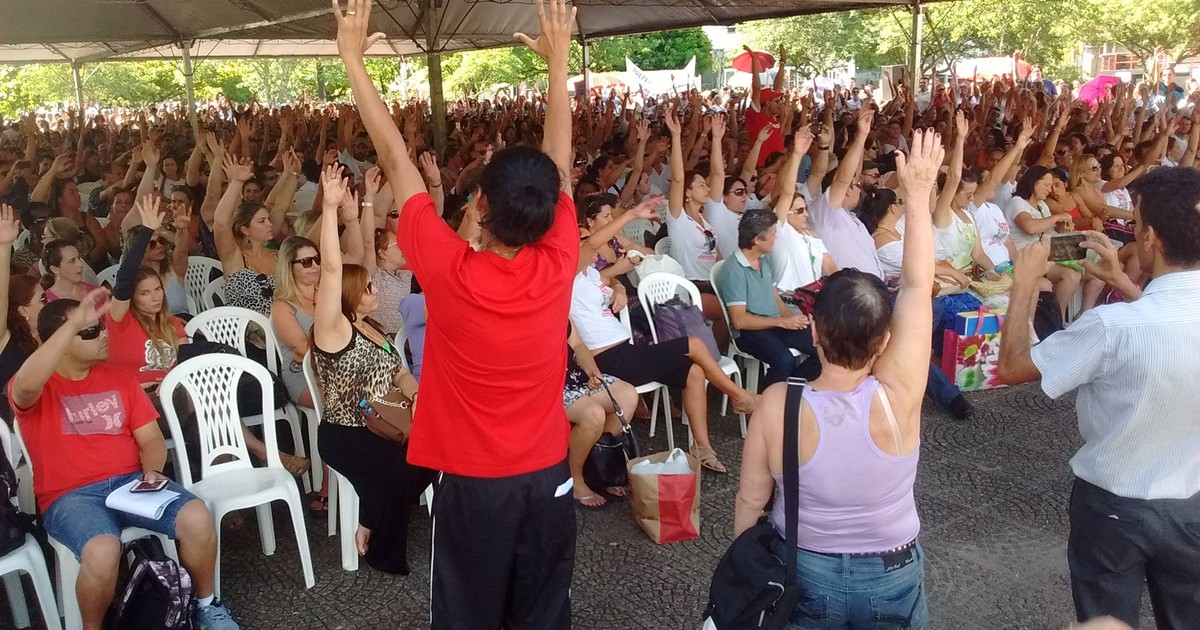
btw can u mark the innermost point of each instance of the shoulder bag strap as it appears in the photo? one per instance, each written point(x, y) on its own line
point(791, 470)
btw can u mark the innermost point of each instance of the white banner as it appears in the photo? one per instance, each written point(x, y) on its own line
point(657, 82)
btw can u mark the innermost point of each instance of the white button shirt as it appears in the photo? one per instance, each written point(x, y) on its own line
point(1137, 371)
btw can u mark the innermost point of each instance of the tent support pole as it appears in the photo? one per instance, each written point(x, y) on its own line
point(189, 86)
point(914, 52)
point(437, 101)
point(587, 71)
point(78, 86)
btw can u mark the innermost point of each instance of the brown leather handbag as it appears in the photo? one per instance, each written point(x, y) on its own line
point(390, 416)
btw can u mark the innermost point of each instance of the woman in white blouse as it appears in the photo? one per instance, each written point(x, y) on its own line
point(799, 257)
point(1030, 217)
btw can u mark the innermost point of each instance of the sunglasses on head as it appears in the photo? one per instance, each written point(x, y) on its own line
point(91, 332)
point(309, 261)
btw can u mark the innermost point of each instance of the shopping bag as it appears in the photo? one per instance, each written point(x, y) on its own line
point(665, 489)
point(971, 350)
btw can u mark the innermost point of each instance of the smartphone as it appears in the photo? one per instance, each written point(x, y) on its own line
point(1067, 246)
point(149, 486)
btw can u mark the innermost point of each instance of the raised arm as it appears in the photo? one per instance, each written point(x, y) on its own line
point(331, 329)
point(852, 162)
point(182, 221)
point(912, 320)
point(28, 382)
point(678, 186)
point(597, 239)
point(353, 41)
point(755, 80)
point(148, 206)
point(280, 199)
point(433, 178)
point(639, 162)
point(238, 172)
point(786, 189)
point(61, 165)
point(10, 228)
point(941, 212)
point(372, 183)
point(1000, 173)
point(192, 178)
point(1047, 157)
point(822, 145)
point(553, 45)
point(716, 160)
point(780, 75)
point(351, 242)
point(152, 155)
point(751, 163)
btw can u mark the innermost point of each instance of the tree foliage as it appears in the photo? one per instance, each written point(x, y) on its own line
point(817, 44)
point(1142, 27)
point(653, 51)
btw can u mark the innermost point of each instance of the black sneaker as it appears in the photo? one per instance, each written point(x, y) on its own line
point(960, 408)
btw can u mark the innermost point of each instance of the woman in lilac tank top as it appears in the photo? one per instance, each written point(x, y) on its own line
point(858, 559)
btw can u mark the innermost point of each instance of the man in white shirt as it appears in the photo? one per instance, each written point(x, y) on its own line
point(1135, 506)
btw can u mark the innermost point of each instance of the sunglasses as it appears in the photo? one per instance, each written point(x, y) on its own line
point(308, 261)
point(1094, 169)
point(91, 332)
point(160, 241)
point(739, 192)
point(370, 287)
point(800, 210)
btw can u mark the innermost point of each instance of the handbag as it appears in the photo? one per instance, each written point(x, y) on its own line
point(389, 416)
point(1117, 231)
point(605, 466)
point(805, 297)
point(989, 288)
point(675, 318)
point(752, 586)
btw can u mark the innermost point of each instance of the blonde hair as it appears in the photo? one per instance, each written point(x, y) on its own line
point(285, 281)
point(62, 228)
point(160, 326)
point(1078, 170)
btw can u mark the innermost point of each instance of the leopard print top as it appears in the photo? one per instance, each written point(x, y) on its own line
point(356, 373)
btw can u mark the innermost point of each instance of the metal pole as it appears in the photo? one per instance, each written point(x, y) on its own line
point(437, 101)
point(189, 86)
point(587, 73)
point(78, 86)
point(914, 53)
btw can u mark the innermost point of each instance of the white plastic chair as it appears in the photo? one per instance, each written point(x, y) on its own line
point(660, 391)
point(108, 276)
point(67, 565)
point(214, 295)
point(657, 288)
point(200, 274)
point(663, 246)
point(228, 479)
point(28, 558)
point(754, 367)
point(229, 325)
point(401, 342)
point(89, 274)
point(22, 239)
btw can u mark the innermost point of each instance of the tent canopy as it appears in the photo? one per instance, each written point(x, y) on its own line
point(82, 31)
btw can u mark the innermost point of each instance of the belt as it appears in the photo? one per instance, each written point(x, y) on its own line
point(873, 554)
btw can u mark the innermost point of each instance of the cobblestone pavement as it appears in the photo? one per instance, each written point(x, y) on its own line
point(992, 493)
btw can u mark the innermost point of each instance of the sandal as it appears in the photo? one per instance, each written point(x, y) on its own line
point(293, 464)
point(748, 407)
point(583, 502)
point(616, 492)
point(707, 457)
point(319, 505)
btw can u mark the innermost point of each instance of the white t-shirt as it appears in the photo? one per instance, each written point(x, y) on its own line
point(693, 245)
point(994, 231)
point(725, 223)
point(305, 196)
point(1004, 194)
point(797, 258)
point(891, 258)
point(591, 311)
point(1020, 237)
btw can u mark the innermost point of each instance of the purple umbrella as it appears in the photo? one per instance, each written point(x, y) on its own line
point(1097, 89)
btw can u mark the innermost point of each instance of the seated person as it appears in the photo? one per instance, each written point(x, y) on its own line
point(611, 261)
point(89, 430)
point(64, 272)
point(799, 257)
point(747, 285)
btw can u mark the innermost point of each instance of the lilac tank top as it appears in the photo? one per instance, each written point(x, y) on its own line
point(854, 498)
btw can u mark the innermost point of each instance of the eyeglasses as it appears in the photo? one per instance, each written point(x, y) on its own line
point(800, 210)
point(160, 241)
point(91, 332)
point(308, 261)
point(1095, 168)
point(739, 192)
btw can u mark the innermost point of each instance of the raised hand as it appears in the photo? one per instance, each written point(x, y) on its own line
point(333, 187)
point(181, 216)
point(148, 208)
point(90, 311)
point(10, 225)
point(429, 167)
point(1026, 134)
point(766, 132)
point(647, 209)
point(372, 183)
point(802, 141)
point(554, 41)
point(349, 204)
point(718, 126)
point(238, 169)
point(291, 161)
point(866, 117)
point(960, 124)
point(672, 121)
point(643, 130)
point(918, 171)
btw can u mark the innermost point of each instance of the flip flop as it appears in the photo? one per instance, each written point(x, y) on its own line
point(616, 492)
point(591, 497)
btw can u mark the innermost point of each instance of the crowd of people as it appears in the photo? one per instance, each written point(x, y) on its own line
point(830, 236)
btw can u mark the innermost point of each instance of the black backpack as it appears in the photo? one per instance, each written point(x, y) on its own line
point(159, 593)
point(1047, 318)
point(13, 523)
point(753, 587)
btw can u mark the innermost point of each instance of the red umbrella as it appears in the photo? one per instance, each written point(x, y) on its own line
point(1097, 89)
point(742, 61)
point(599, 81)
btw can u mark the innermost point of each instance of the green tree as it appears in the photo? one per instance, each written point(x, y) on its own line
point(1143, 27)
point(653, 51)
point(819, 43)
point(1037, 29)
point(472, 72)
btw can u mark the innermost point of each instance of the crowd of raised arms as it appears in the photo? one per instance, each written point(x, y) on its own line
point(315, 215)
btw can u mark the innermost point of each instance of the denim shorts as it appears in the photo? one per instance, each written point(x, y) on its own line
point(841, 591)
point(80, 515)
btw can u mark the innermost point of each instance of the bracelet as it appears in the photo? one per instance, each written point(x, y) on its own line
point(437, 185)
point(368, 204)
point(822, 148)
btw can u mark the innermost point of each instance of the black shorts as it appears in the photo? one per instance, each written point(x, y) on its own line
point(667, 362)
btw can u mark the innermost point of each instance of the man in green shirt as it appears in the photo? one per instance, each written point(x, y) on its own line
point(762, 324)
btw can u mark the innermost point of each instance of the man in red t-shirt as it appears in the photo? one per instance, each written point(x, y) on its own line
point(765, 106)
point(89, 429)
point(490, 415)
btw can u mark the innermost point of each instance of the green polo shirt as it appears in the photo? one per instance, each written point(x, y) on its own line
point(743, 285)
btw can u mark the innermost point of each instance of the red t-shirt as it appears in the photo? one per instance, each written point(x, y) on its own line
point(81, 432)
point(130, 348)
point(755, 121)
point(495, 346)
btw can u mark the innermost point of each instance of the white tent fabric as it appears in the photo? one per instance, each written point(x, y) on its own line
point(82, 31)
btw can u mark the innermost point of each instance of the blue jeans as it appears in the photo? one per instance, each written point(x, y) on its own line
point(852, 593)
point(80, 515)
point(771, 346)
